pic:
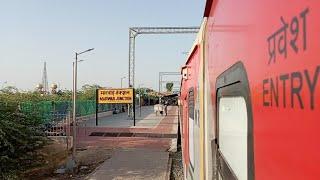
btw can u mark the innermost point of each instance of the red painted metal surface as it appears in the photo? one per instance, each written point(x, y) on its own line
point(193, 69)
point(278, 42)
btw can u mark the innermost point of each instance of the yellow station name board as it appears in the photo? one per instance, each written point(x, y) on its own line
point(115, 96)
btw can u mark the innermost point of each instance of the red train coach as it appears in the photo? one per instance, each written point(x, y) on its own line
point(250, 92)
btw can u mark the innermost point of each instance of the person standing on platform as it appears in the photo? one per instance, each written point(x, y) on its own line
point(166, 108)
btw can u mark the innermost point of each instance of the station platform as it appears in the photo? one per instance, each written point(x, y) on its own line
point(140, 152)
point(159, 133)
point(146, 119)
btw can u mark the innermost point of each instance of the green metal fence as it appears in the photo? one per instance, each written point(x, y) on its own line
point(46, 109)
point(42, 109)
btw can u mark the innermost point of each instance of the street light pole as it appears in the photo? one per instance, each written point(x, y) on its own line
point(149, 96)
point(121, 80)
point(140, 99)
point(74, 101)
point(74, 107)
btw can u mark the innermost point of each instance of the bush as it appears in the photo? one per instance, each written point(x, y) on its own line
point(19, 137)
point(20, 133)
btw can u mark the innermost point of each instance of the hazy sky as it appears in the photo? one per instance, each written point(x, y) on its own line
point(35, 31)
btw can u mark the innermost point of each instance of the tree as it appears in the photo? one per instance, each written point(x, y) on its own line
point(169, 86)
point(9, 90)
point(88, 92)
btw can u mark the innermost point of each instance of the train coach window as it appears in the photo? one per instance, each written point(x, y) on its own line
point(191, 125)
point(191, 103)
point(233, 134)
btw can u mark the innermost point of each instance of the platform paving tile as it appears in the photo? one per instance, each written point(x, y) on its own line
point(134, 164)
point(139, 152)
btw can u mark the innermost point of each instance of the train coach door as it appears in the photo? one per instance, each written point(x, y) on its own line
point(234, 125)
point(194, 131)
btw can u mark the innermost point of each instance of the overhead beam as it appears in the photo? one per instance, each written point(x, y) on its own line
point(161, 81)
point(135, 31)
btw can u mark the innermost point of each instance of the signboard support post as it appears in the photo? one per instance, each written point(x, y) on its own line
point(97, 106)
point(140, 103)
point(134, 108)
